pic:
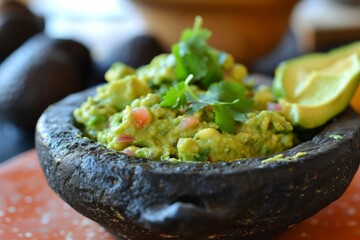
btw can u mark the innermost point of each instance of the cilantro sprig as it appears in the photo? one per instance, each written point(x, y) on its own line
point(198, 63)
point(227, 100)
point(194, 56)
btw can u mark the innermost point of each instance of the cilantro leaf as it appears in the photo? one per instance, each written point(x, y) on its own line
point(226, 91)
point(243, 105)
point(200, 64)
point(238, 116)
point(227, 98)
point(195, 107)
point(229, 92)
point(175, 97)
point(194, 56)
point(202, 156)
point(224, 118)
point(213, 69)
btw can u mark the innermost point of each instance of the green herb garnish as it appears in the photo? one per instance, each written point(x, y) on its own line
point(227, 99)
point(194, 56)
point(200, 64)
point(202, 156)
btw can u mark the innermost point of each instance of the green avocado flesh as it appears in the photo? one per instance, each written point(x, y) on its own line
point(126, 115)
point(290, 75)
point(314, 88)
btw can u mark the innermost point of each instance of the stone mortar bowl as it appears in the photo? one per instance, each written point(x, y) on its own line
point(246, 199)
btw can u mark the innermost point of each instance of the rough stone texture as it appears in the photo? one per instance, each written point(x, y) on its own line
point(246, 199)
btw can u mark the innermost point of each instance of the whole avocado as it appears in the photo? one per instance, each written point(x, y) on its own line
point(14, 6)
point(135, 52)
point(42, 71)
point(17, 24)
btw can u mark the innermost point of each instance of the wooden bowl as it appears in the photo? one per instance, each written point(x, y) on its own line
point(246, 199)
point(248, 29)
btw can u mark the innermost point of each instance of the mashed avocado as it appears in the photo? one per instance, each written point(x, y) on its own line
point(111, 118)
point(188, 105)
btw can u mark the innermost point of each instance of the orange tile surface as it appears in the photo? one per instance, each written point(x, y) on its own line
point(30, 210)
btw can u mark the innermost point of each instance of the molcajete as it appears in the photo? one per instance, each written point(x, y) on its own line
point(137, 198)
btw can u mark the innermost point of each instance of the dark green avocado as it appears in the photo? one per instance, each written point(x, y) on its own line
point(41, 72)
point(17, 24)
point(134, 52)
point(246, 199)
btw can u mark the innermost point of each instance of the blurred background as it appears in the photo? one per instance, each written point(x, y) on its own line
point(52, 48)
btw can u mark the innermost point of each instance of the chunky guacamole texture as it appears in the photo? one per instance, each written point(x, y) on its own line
point(188, 105)
point(111, 118)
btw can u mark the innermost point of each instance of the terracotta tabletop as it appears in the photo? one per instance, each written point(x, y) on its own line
point(30, 210)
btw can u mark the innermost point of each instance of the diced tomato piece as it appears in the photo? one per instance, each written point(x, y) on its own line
point(128, 152)
point(189, 122)
point(125, 138)
point(273, 106)
point(182, 110)
point(142, 116)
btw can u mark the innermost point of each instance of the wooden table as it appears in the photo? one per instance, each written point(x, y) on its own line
point(30, 210)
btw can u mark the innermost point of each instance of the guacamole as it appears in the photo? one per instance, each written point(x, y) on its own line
point(126, 115)
point(188, 105)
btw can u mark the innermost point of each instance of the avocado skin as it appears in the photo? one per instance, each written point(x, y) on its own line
point(79, 55)
point(17, 24)
point(40, 72)
point(140, 199)
point(14, 7)
point(129, 52)
point(134, 52)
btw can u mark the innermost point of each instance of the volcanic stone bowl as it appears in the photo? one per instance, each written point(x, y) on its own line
point(245, 199)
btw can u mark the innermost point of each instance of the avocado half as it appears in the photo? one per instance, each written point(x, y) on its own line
point(246, 199)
